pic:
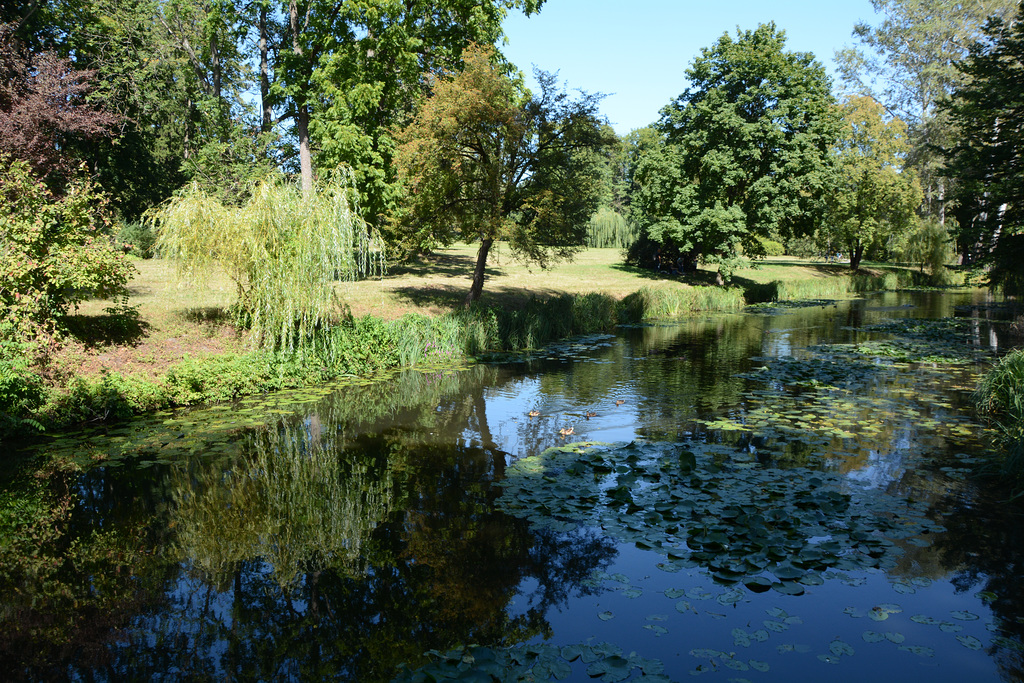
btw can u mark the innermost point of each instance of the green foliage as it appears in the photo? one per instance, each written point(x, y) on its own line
point(368, 72)
point(54, 252)
point(770, 247)
point(667, 303)
point(745, 153)
point(1000, 398)
point(111, 396)
point(484, 161)
point(138, 239)
point(1008, 265)
point(908, 63)
point(283, 249)
point(875, 198)
point(931, 247)
point(21, 388)
point(803, 247)
point(828, 288)
point(984, 156)
point(607, 228)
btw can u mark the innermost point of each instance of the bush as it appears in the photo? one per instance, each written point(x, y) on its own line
point(54, 252)
point(1000, 398)
point(21, 389)
point(137, 239)
point(771, 247)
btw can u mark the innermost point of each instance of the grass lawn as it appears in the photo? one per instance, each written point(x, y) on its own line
point(440, 282)
point(175, 321)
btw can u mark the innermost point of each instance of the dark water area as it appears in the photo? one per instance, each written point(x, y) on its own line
point(779, 494)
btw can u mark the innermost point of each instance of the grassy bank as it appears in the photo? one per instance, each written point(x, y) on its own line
point(182, 350)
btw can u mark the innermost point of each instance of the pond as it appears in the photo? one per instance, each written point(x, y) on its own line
point(780, 494)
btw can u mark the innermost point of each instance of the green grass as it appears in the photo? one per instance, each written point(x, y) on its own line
point(1000, 398)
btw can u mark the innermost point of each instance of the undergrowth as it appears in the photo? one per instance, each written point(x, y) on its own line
point(1000, 398)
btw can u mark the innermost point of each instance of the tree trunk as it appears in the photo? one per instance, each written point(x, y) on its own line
point(302, 109)
point(305, 159)
point(856, 253)
point(264, 73)
point(478, 273)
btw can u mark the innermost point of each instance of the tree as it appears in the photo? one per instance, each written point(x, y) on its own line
point(874, 198)
point(483, 160)
point(908, 64)
point(370, 85)
point(44, 109)
point(986, 159)
point(284, 249)
point(746, 150)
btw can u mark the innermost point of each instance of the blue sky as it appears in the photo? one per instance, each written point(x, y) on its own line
point(636, 51)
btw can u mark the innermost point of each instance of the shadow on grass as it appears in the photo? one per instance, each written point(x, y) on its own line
point(443, 265)
point(217, 315)
point(698, 277)
point(124, 328)
point(453, 297)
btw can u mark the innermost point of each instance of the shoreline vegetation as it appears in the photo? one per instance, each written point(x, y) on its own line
point(177, 347)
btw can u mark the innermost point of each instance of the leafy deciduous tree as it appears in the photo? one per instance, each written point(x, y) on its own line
point(908, 63)
point(986, 160)
point(483, 160)
point(746, 150)
point(43, 109)
point(874, 198)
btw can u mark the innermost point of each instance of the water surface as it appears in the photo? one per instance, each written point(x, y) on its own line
point(797, 505)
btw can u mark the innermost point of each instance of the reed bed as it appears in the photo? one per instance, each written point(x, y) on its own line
point(667, 303)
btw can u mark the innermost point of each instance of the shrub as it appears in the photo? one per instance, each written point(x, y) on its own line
point(54, 252)
point(21, 389)
point(1000, 398)
point(771, 247)
point(138, 239)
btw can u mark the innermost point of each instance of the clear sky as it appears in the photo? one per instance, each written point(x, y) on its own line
point(636, 51)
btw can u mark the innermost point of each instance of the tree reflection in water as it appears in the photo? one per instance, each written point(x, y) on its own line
point(300, 560)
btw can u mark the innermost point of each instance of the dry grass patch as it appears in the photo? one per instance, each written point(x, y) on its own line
point(173, 322)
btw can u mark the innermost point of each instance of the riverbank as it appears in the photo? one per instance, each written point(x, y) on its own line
point(181, 348)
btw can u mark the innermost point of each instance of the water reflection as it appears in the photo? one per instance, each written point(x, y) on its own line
point(337, 534)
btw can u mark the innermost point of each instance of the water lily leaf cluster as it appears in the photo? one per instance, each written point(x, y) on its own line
point(763, 527)
point(601, 661)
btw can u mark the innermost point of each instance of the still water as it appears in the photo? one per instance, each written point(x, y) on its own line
point(774, 495)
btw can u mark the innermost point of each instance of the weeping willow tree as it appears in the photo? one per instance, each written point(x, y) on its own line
point(293, 502)
point(283, 250)
point(607, 228)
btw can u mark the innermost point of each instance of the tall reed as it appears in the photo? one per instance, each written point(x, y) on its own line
point(1000, 398)
point(666, 303)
